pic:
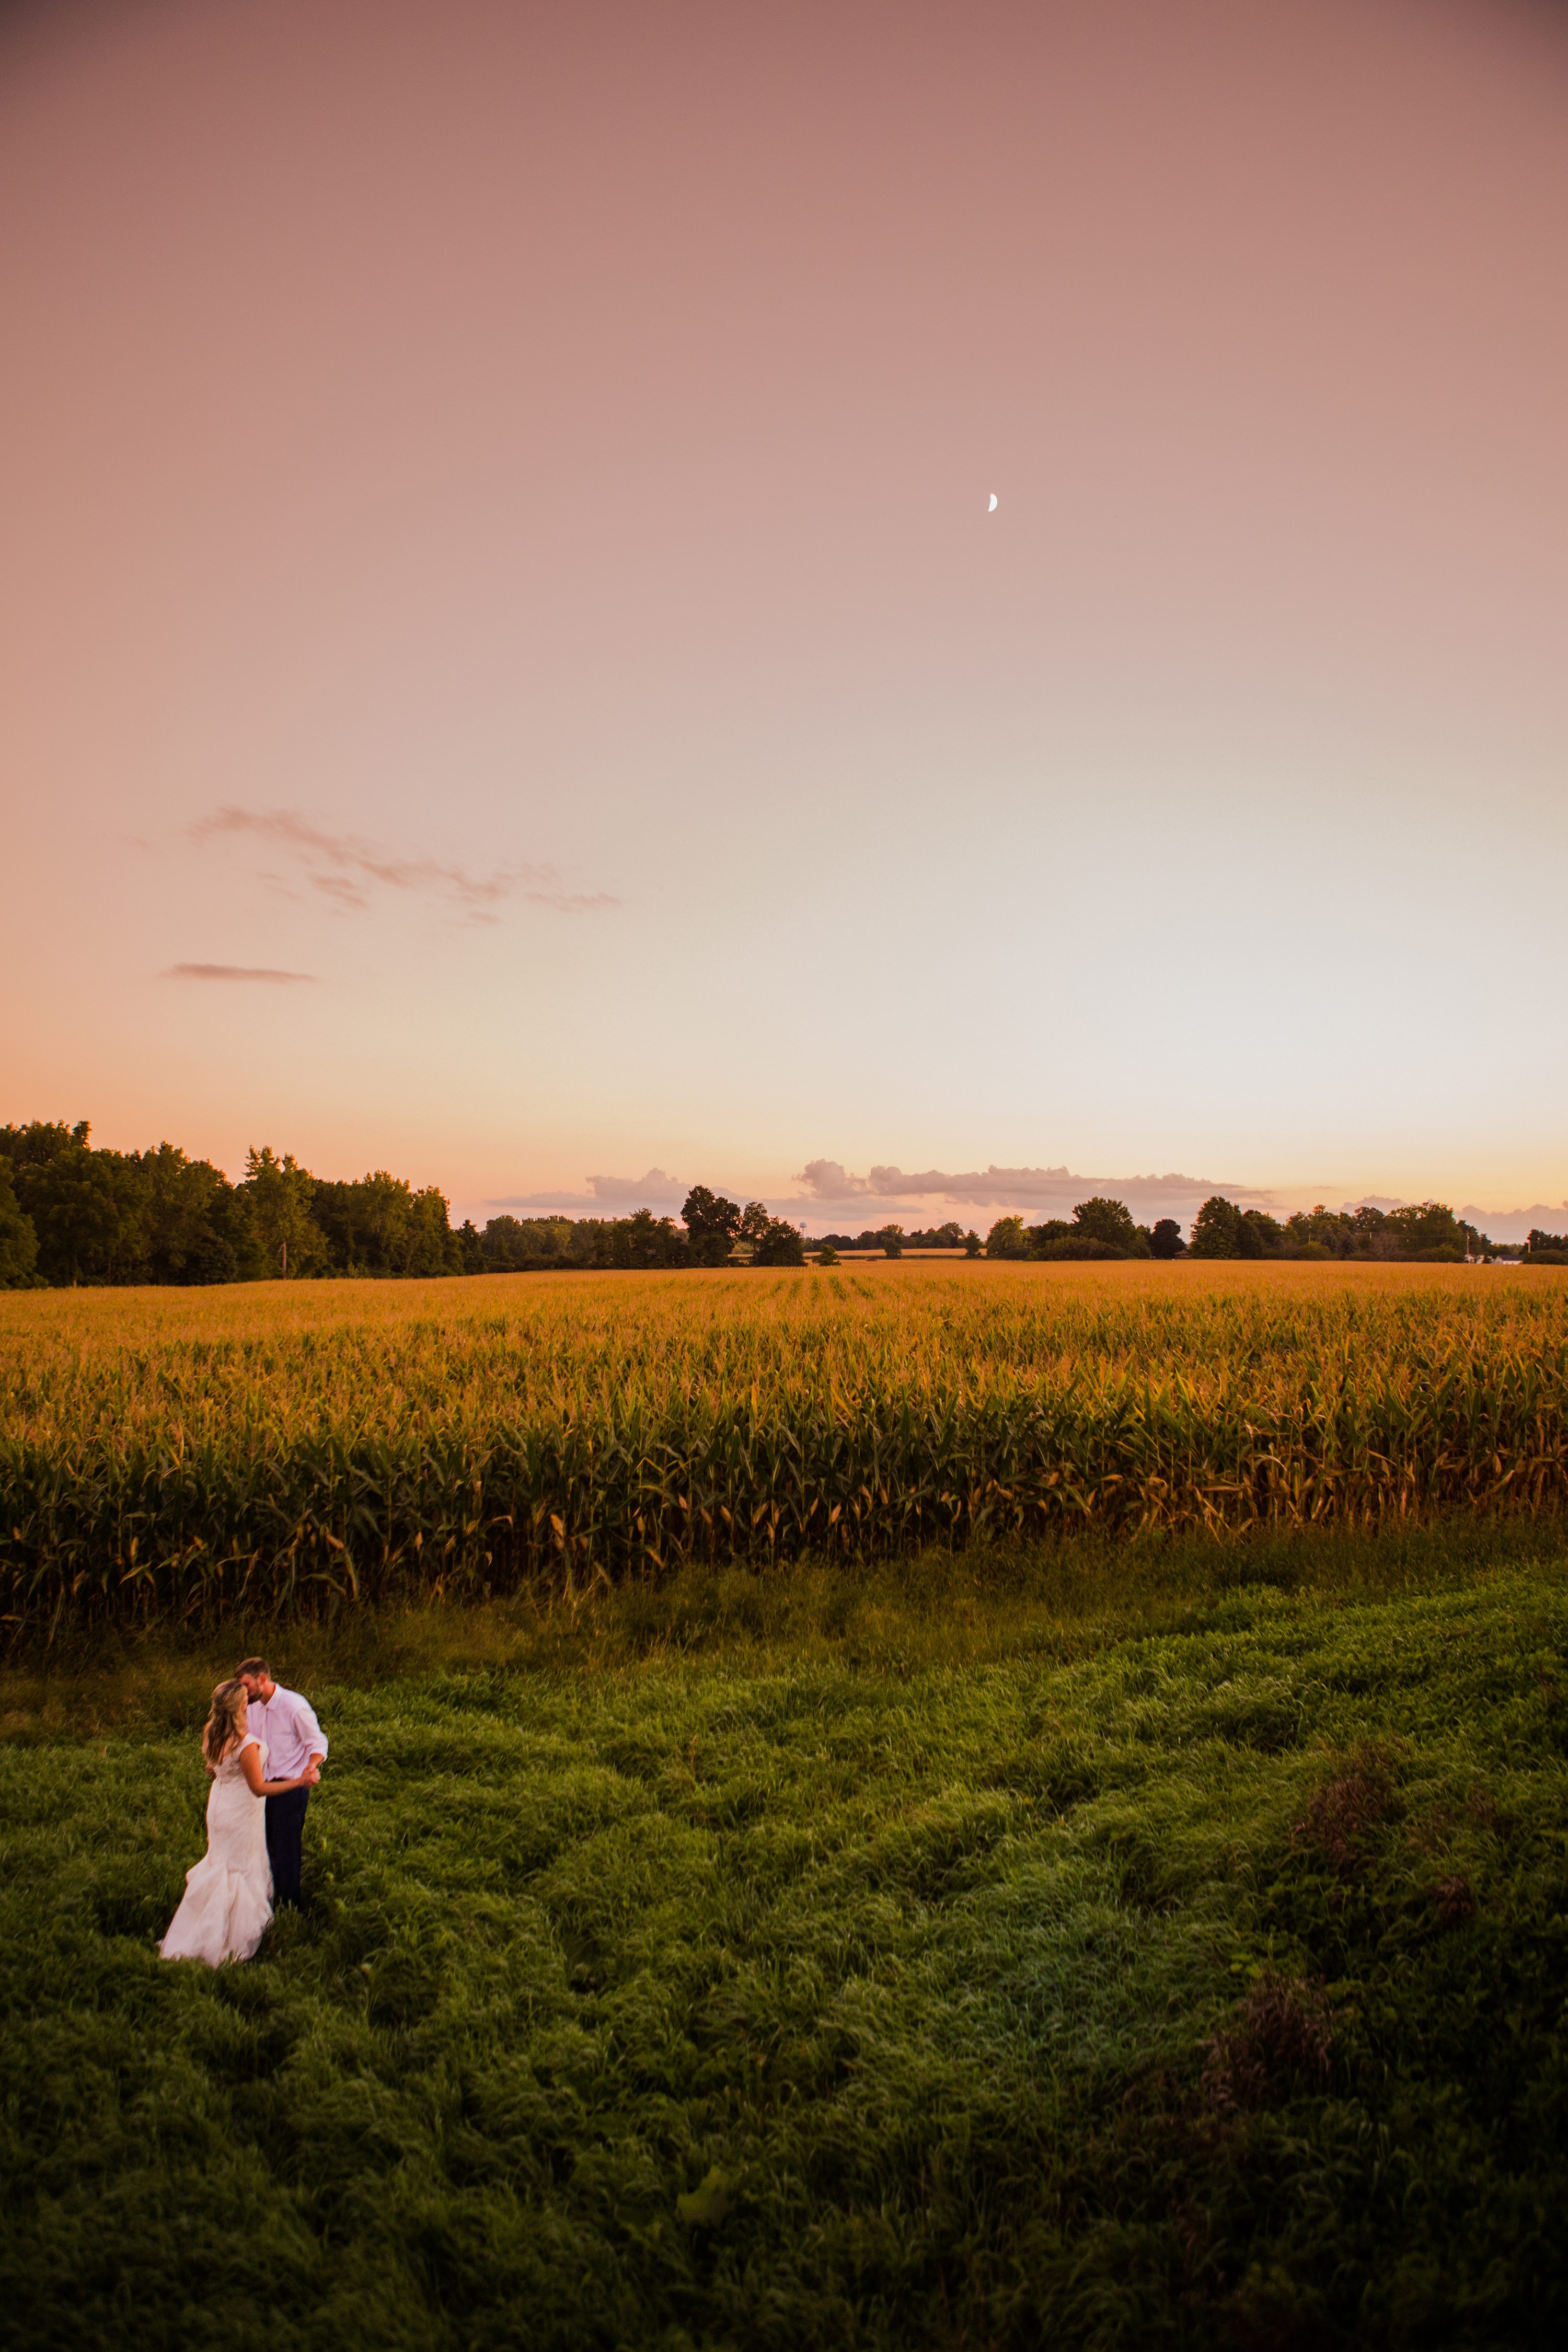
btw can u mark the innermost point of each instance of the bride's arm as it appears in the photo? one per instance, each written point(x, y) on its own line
point(251, 1764)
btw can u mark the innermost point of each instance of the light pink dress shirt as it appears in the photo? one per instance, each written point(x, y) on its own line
point(287, 1724)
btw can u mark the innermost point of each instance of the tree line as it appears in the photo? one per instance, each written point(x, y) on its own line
point(72, 1213)
point(892, 1240)
point(1100, 1228)
point(713, 1231)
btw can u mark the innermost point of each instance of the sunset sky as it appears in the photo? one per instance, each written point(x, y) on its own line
point(507, 673)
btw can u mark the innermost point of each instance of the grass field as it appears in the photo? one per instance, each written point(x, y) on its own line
point(172, 1454)
point(1167, 1946)
point(1138, 1915)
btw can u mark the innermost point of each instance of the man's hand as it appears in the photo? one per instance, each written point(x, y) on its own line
point(314, 1769)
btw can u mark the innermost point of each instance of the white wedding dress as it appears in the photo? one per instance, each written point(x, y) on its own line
point(227, 1901)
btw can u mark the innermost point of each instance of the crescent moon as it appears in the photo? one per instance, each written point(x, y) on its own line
point(992, 507)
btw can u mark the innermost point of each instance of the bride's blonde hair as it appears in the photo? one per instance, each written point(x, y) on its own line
point(227, 1724)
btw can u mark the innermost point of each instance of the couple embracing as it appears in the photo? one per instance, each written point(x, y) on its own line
point(254, 1824)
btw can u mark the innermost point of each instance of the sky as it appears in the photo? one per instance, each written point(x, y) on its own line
point(509, 671)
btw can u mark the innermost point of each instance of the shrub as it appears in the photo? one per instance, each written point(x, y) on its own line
point(1281, 2038)
point(1342, 1813)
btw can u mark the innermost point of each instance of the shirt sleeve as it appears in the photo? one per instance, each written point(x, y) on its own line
point(312, 1738)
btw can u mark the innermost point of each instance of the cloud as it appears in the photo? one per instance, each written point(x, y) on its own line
point(345, 868)
point(611, 1195)
point(1497, 1224)
point(1513, 1225)
point(237, 972)
point(1047, 1188)
point(834, 1196)
point(829, 1180)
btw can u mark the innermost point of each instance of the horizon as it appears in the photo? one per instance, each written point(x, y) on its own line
point(839, 1200)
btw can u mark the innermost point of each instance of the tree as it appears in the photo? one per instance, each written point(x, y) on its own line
point(1326, 1233)
point(381, 1226)
point(188, 1224)
point(754, 1222)
point(1007, 1239)
point(120, 1217)
point(18, 1242)
point(826, 1255)
point(1110, 1222)
point(41, 1140)
point(509, 1243)
point(654, 1241)
point(232, 1251)
point(971, 1243)
point(1050, 1231)
point(780, 1244)
point(69, 1219)
point(711, 1223)
point(88, 1210)
point(279, 1193)
point(1216, 1231)
point(1165, 1241)
point(430, 1244)
point(1427, 1226)
point(892, 1240)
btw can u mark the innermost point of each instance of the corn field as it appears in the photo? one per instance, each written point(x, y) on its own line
point(282, 1447)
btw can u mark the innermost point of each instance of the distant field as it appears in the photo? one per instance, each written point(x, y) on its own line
point(169, 1453)
point(809, 1962)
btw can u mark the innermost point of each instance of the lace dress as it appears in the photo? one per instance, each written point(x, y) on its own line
point(228, 1900)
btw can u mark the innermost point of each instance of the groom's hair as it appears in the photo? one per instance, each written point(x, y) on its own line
point(253, 1666)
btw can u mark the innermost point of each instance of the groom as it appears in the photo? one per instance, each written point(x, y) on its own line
point(295, 1742)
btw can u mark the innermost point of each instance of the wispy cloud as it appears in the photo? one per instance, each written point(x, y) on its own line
point(237, 972)
point(346, 868)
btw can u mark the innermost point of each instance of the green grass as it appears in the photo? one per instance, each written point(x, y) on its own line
point(1168, 1946)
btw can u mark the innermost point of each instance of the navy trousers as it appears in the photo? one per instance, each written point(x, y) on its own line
point(285, 1834)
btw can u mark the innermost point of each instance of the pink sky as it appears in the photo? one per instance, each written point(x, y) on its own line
point(495, 522)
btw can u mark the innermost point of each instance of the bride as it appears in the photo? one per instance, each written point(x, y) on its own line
point(228, 1900)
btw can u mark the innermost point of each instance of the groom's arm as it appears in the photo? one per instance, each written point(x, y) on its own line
point(311, 1734)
